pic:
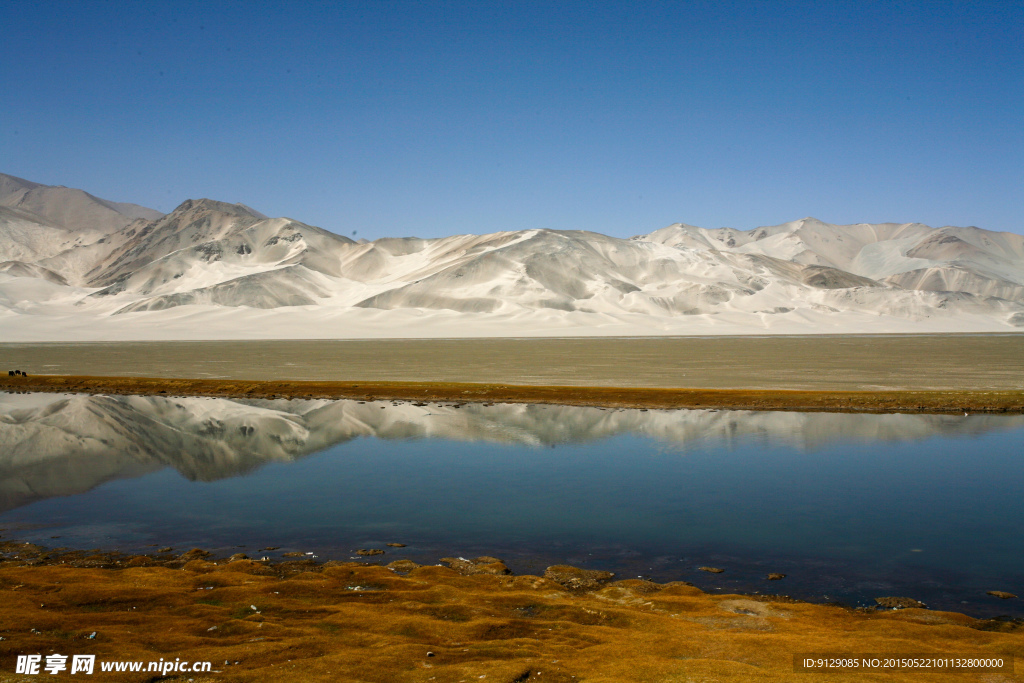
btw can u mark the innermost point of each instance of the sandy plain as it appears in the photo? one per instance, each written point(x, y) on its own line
point(822, 362)
point(917, 373)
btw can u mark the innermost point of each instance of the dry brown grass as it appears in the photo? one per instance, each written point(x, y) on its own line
point(951, 401)
point(357, 622)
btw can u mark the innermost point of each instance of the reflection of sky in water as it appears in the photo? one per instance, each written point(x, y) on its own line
point(947, 504)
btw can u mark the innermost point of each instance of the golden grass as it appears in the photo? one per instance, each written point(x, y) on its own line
point(945, 401)
point(358, 622)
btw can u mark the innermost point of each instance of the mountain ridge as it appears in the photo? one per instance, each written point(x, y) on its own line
point(224, 262)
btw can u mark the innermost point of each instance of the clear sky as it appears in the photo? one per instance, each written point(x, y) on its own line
point(436, 118)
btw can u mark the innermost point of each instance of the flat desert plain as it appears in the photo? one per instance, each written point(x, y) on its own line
point(820, 362)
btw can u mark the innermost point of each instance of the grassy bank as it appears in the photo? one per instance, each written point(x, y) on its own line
point(470, 621)
point(951, 401)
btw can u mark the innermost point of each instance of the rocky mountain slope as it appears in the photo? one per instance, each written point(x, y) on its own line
point(71, 262)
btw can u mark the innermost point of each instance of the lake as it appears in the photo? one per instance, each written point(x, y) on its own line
point(849, 507)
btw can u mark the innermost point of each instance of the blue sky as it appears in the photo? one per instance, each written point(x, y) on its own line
point(436, 118)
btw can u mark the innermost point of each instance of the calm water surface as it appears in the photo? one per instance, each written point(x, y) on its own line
point(850, 507)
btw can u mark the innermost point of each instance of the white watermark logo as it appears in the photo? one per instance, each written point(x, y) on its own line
point(31, 664)
point(86, 664)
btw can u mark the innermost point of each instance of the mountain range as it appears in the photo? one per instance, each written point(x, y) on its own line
point(74, 266)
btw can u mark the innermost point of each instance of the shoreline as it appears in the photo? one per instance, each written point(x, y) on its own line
point(339, 620)
point(883, 401)
point(579, 578)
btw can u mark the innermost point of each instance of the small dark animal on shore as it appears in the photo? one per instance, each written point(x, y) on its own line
point(10, 373)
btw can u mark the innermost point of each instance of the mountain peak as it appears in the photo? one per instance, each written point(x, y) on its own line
point(204, 204)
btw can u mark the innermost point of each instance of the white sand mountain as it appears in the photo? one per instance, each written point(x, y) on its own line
point(260, 263)
point(54, 444)
point(216, 270)
point(69, 208)
point(909, 255)
point(55, 228)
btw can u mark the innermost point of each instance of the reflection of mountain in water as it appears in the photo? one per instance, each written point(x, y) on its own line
point(53, 445)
